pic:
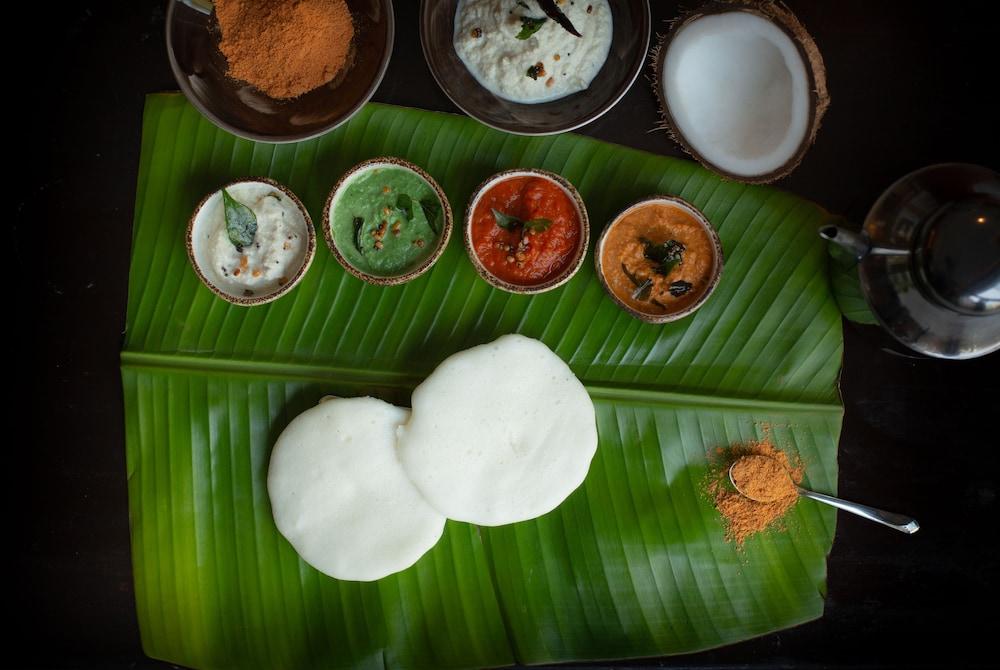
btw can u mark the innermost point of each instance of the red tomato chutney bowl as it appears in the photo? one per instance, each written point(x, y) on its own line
point(526, 230)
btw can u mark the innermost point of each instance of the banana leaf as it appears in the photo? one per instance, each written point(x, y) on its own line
point(846, 284)
point(633, 564)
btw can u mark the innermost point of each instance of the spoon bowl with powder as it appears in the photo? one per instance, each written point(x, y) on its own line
point(764, 480)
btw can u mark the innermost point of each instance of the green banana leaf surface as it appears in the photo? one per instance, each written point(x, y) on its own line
point(846, 283)
point(632, 564)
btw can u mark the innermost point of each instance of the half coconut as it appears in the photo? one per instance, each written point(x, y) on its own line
point(741, 87)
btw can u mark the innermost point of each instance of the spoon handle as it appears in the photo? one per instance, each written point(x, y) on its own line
point(900, 522)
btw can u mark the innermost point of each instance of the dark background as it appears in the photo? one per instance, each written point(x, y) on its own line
point(911, 83)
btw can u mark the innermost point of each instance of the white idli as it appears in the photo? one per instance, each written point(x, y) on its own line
point(340, 496)
point(499, 433)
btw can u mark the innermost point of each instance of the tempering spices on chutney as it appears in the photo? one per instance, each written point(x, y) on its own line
point(657, 258)
point(525, 230)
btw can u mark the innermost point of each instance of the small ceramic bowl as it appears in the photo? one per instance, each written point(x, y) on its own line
point(713, 237)
point(425, 265)
point(629, 43)
point(235, 106)
point(581, 250)
point(208, 215)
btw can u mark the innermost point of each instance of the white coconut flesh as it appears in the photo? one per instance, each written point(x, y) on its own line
point(499, 433)
point(737, 89)
point(340, 496)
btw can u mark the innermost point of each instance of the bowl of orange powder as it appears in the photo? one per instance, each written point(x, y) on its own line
point(281, 70)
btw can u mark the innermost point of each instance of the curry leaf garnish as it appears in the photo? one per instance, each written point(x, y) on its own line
point(530, 26)
point(432, 210)
point(523, 4)
point(505, 221)
point(508, 222)
point(535, 71)
point(554, 13)
point(358, 225)
point(643, 290)
point(631, 277)
point(539, 225)
point(665, 256)
point(241, 223)
point(679, 288)
point(666, 266)
point(404, 203)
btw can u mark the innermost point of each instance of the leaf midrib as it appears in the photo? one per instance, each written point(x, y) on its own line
point(600, 391)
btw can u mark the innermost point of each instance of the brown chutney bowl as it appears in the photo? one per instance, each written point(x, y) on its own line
point(408, 275)
point(714, 241)
point(581, 250)
point(199, 232)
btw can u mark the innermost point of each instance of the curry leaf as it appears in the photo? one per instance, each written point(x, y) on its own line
point(550, 8)
point(631, 277)
point(679, 288)
point(539, 225)
point(432, 212)
point(665, 256)
point(506, 221)
point(404, 203)
point(529, 26)
point(241, 223)
point(643, 291)
point(358, 225)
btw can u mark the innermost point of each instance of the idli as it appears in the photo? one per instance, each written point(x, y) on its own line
point(340, 496)
point(499, 433)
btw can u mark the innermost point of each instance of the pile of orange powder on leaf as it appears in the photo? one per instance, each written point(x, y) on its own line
point(772, 479)
point(285, 48)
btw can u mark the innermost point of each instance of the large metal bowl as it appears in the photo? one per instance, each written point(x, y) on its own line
point(200, 69)
point(630, 41)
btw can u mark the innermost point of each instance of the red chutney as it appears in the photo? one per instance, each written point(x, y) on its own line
point(520, 256)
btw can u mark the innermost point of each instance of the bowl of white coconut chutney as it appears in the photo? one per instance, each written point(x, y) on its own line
point(533, 67)
point(251, 241)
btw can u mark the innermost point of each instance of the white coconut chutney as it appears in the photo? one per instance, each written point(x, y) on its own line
point(500, 433)
point(340, 496)
point(549, 64)
point(278, 249)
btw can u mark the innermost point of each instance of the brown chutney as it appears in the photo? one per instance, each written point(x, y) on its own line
point(626, 265)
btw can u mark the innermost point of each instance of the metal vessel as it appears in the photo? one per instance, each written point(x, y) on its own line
point(929, 260)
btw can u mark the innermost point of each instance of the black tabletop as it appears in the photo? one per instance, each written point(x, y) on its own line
point(911, 84)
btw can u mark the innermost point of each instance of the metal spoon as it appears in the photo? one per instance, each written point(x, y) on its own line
point(900, 522)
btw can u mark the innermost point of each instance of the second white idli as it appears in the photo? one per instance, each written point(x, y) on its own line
point(499, 433)
point(340, 496)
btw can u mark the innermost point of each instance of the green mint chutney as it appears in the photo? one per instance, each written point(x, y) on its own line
point(386, 221)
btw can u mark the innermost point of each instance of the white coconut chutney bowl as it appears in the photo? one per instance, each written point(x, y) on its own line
point(284, 245)
point(631, 24)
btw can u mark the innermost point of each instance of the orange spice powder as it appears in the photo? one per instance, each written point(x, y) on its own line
point(285, 48)
point(742, 516)
point(761, 478)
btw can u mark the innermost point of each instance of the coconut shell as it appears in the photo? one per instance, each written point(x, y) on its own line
point(781, 16)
